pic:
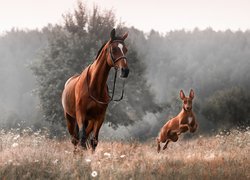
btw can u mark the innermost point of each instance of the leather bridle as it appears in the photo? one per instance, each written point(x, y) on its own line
point(111, 98)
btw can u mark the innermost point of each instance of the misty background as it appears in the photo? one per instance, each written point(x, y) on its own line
point(35, 64)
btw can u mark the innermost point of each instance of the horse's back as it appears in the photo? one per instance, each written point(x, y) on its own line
point(68, 95)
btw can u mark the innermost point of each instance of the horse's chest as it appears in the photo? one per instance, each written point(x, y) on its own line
point(94, 111)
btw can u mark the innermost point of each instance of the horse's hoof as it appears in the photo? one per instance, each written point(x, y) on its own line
point(74, 141)
point(93, 143)
point(83, 146)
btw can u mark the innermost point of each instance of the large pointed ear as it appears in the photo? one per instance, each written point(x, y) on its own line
point(191, 94)
point(112, 34)
point(125, 36)
point(182, 95)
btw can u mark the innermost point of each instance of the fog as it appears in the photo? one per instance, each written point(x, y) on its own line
point(206, 61)
point(19, 103)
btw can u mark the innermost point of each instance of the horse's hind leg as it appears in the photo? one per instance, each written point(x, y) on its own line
point(72, 128)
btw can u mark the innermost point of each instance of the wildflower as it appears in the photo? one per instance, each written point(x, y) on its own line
point(67, 152)
point(122, 156)
point(16, 137)
point(94, 174)
point(88, 160)
point(56, 161)
point(14, 145)
point(107, 154)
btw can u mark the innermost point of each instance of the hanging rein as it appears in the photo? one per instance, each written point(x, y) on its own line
point(111, 98)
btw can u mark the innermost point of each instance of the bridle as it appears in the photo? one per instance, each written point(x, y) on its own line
point(111, 55)
point(111, 98)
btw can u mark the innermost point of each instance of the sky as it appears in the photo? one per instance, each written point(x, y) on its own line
point(160, 15)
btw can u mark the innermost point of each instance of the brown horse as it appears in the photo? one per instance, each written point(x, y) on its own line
point(85, 97)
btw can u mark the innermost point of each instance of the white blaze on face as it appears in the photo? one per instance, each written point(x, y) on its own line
point(121, 48)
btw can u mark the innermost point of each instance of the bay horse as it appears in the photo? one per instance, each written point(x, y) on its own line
point(85, 97)
point(183, 122)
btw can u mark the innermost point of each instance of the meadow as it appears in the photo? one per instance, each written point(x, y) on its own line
point(25, 154)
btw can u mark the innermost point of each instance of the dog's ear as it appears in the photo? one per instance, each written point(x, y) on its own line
point(191, 94)
point(112, 34)
point(182, 95)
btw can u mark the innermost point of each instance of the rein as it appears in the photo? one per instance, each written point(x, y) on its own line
point(111, 98)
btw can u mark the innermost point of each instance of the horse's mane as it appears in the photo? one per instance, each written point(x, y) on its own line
point(101, 49)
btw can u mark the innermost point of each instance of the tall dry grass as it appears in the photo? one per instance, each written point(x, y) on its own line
point(32, 155)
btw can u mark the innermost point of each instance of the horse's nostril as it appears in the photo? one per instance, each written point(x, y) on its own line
point(124, 72)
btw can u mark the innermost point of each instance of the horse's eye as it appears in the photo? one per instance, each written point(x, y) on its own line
point(185, 101)
point(125, 50)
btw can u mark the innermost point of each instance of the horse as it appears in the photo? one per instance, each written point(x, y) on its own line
point(85, 97)
point(183, 122)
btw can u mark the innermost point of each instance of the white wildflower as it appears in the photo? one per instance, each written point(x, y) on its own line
point(37, 133)
point(107, 154)
point(36, 160)
point(88, 160)
point(16, 137)
point(94, 174)
point(56, 161)
point(67, 152)
point(123, 155)
point(14, 145)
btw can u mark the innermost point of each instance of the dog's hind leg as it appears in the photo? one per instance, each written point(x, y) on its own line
point(158, 144)
point(165, 146)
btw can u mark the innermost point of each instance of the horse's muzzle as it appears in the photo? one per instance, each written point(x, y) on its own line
point(124, 72)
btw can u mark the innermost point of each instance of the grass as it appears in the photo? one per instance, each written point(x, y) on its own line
point(32, 155)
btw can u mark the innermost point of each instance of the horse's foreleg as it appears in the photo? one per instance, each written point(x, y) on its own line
point(80, 118)
point(89, 128)
point(97, 126)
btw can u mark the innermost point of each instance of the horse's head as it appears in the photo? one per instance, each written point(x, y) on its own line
point(187, 101)
point(117, 51)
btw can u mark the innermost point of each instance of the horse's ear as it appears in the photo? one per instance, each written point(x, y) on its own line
point(182, 95)
point(191, 94)
point(112, 34)
point(125, 36)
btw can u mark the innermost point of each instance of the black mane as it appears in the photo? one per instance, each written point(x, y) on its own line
point(101, 49)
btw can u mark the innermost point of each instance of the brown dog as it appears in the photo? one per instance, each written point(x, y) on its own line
point(183, 122)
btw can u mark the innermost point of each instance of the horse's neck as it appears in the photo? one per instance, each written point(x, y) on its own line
point(99, 72)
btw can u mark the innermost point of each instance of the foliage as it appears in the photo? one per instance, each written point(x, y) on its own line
point(228, 107)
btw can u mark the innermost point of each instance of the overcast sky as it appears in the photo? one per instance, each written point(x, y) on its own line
point(161, 15)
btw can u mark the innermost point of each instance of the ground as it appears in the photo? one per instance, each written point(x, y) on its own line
point(25, 154)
